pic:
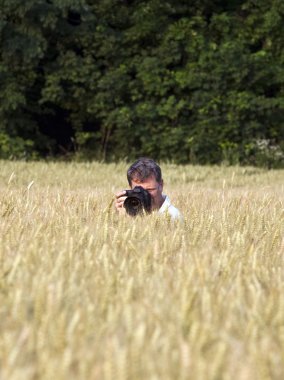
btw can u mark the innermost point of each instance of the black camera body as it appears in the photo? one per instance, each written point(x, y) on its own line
point(138, 201)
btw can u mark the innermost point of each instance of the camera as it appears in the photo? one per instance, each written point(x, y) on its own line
point(138, 201)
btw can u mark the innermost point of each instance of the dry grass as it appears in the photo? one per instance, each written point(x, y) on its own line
point(85, 294)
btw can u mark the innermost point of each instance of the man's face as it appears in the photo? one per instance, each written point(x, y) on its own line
point(155, 189)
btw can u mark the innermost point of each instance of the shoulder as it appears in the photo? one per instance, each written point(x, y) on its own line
point(168, 208)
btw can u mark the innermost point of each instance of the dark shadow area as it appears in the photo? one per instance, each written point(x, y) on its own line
point(58, 132)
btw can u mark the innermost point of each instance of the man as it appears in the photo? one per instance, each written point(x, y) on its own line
point(146, 172)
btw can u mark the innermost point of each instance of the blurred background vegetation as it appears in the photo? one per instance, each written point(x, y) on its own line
point(198, 81)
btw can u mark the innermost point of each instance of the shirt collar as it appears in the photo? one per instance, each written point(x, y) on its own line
point(165, 204)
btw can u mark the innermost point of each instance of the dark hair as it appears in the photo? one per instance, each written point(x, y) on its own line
point(144, 168)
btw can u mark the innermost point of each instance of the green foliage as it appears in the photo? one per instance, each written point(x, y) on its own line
point(196, 81)
point(16, 147)
point(265, 153)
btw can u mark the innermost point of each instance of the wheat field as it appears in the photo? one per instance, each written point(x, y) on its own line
point(87, 294)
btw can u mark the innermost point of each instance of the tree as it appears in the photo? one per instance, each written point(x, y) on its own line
point(189, 81)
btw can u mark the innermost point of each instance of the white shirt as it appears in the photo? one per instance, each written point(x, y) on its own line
point(167, 207)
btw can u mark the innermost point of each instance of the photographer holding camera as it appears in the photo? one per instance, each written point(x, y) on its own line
point(145, 179)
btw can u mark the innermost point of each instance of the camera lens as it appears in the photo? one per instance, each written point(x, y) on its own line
point(133, 206)
point(134, 203)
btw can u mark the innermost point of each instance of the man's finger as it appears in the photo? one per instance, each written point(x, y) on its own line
point(120, 201)
point(120, 194)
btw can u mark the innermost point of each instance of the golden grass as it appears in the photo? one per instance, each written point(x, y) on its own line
point(85, 294)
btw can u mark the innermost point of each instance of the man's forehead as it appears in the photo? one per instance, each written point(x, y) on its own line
point(145, 180)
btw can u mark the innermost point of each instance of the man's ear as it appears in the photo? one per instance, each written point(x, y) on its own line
point(162, 184)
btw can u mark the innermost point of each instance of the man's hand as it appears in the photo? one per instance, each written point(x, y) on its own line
point(119, 200)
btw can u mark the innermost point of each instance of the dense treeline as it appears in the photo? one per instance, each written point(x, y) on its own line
point(198, 81)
